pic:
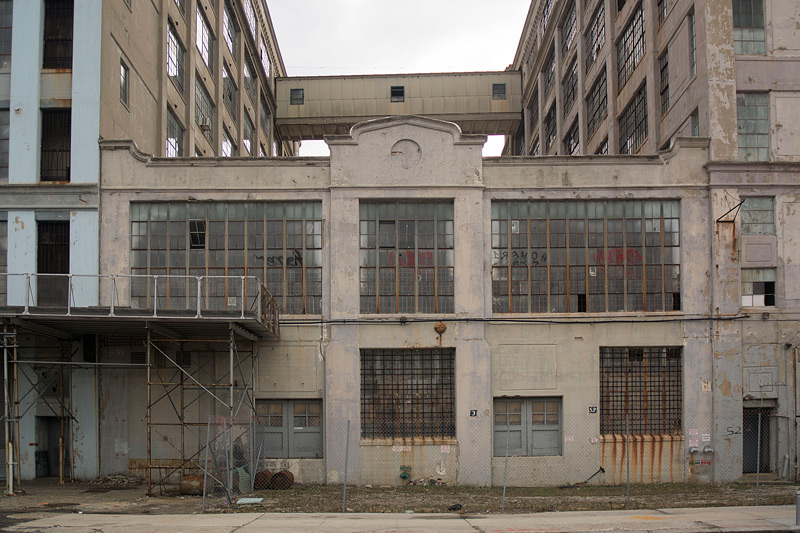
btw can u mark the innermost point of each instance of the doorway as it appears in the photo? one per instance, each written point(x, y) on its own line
point(756, 443)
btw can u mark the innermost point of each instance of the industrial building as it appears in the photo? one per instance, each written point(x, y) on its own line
point(407, 305)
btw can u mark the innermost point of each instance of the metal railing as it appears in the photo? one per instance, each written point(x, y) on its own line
point(133, 295)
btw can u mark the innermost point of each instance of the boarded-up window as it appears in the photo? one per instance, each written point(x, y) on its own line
point(758, 216)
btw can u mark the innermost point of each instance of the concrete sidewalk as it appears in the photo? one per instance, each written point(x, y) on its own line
point(776, 518)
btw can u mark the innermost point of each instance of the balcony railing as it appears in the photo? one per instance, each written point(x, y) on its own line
point(142, 296)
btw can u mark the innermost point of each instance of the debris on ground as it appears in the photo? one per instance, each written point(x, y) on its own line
point(118, 480)
point(248, 501)
point(430, 480)
point(455, 507)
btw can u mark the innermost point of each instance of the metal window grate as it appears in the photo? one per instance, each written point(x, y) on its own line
point(58, 20)
point(633, 123)
point(630, 48)
point(407, 393)
point(642, 385)
point(6, 8)
point(4, 136)
point(56, 133)
point(52, 257)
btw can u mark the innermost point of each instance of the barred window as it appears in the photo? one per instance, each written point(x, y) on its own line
point(56, 143)
point(229, 148)
point(550, 129)
point(642, 388)
point(572, 143)
point(593, 256)
point(596, 36)
point(549, 73)
point(175, 59)
point(408, 393)
point(203, 110)
point(569, 30)
point(570, 87)
point(205, 40)
point(597, 103)
point(229, 30)
point(58, 28)
point(6, 9)
point(230, 94)
point(748, 27)
point(3, 261)
point(248, 134)
point(753, 121)
point(633, 123)
point(406, 257)
point(663, 65)
point(758, 216)
point(279, 242)
point(630, 48)
point(4, 136)
point(249, 80)
point(175, 131)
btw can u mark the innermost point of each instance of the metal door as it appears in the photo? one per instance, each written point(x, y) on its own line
point(750, 441)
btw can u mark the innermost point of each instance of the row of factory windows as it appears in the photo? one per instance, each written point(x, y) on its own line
point(409, 394)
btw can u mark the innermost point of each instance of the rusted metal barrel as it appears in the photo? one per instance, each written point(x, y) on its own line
point(282, 480)
point(192, 485)
point(262, 480)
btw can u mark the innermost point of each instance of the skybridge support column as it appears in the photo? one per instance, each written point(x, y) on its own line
point(83, 399)
point(149, 420)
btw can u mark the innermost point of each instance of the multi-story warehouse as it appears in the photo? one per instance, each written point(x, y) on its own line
point(178, 77)
point(626, 77)
point(405, 307)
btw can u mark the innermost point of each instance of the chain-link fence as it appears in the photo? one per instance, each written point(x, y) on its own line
point(520, 443)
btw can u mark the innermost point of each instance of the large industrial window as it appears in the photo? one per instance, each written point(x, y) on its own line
point(407, 257)
point(758, 287)
point(175, 59)
point(248, 134)
point(264, 56)
point(397, 93)
point(533, 111)
point(229, 148)
point(174, 146)
point(592, 256)
point(408, 393)
point(205, 40)
point(230, 94)
point(662, 6)
point(758, 215)
point(6, 9)
point(124, 82)
point(549, 73)
point(250, 15)
point(180, 5)
point(290, 428)
point(527, 426)
point(663, 66)
point(277, 242)
point(248, 73)
point(597, 104)
point(263, 117)
point(4, 138)
point(633, 123)
point(570, 87)
point(58, 20)
point(546, 11)
point(535, 148)
point(549, 129)
point(630, 48)
point(569, 30)
point(229, 30)
point(692, 44)
point(56, 134)
point(572, 145)
point(641, 387)
point(753, 119)
point(498, 91)
point(52, 257)
point(748, 27)
point(596, 36)
point(203, 110)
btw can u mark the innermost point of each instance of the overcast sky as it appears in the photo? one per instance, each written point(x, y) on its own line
point(335, 37)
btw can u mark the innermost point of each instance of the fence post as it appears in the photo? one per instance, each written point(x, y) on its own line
point(628, 459)
point(346, 459)
point(758, 459)
point(205, 470)
point(505, 470)
point(252, 448)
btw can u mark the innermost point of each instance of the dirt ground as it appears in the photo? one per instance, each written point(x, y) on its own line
point(44, 496)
